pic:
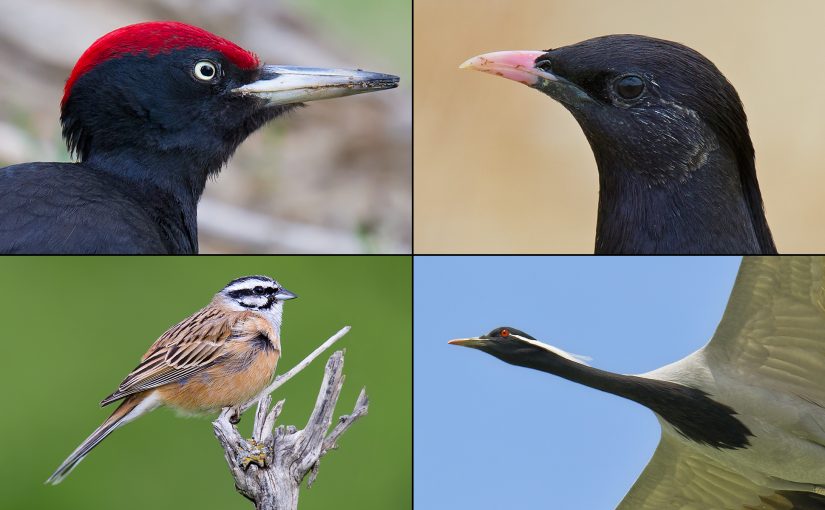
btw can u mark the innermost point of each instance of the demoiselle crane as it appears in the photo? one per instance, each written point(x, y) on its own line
point(743, 418)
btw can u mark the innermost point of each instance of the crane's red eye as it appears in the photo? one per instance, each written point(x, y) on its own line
point(504, 332)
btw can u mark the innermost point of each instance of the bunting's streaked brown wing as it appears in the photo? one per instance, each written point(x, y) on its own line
point(185, 349)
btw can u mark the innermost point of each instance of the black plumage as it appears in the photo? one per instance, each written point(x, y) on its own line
point(151, 111)
point(670, 138)
point(80, 208)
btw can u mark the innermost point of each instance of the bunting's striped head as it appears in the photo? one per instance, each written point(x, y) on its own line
point(255, 293)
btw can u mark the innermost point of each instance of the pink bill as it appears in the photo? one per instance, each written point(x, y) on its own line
point(513, 65)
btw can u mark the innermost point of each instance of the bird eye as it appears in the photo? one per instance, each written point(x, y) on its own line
point(504, 332)
point(206, 70)
point(258, 290)
point(629, 87)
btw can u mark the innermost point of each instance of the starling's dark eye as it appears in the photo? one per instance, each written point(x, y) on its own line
point(258, 290)
point(205, 70)
point(504, 332)
point(629, 87)
point(545, 65)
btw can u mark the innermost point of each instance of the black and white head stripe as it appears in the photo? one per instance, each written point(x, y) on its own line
point(237, 283)
point(256, 292)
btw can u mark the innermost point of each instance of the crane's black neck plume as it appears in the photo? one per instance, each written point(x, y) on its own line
point(691, 411)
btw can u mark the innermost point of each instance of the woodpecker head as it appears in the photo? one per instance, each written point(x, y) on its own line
point(171, 88)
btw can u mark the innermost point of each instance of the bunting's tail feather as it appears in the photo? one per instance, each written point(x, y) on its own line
point(132, 407)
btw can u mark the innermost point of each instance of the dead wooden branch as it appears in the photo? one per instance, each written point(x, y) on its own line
point(268, 469)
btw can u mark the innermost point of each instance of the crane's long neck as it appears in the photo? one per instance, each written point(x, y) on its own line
point(629, 387)
point(691, 411)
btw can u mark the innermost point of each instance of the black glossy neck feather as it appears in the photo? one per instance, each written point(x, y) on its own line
point(168, 177)
point(707, 212)
point(692, 412)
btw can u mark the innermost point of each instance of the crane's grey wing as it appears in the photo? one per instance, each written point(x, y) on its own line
point(773, 331)
point(678, 478)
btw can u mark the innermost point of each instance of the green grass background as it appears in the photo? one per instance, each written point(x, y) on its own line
point(74, 327)
point(379, 26)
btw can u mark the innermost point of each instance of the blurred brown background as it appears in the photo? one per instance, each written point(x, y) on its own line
point(503, 168)
point(333, 177)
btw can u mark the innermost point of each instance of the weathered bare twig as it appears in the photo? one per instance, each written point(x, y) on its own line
point(268, 469)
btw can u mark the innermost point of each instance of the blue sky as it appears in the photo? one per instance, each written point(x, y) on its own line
point(489, 435)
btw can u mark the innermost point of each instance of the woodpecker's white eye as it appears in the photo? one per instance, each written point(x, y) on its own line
point(206, 70)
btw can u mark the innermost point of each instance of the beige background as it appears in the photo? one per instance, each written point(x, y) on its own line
point(502, 168)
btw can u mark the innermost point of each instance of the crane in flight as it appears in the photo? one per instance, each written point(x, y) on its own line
point(743, 418)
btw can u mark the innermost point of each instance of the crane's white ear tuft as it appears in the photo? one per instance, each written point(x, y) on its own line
point(576, 358)
point(584, 360)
